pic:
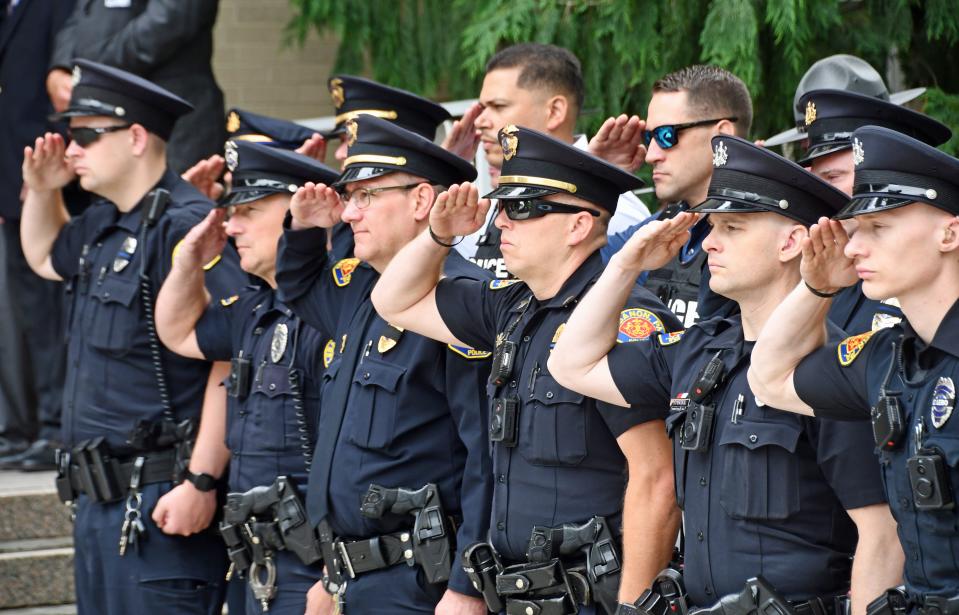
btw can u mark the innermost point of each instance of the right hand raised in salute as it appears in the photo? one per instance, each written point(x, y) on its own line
point(315, 205)
point(45, 167)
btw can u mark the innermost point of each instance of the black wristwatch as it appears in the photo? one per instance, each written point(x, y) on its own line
point(202, 482)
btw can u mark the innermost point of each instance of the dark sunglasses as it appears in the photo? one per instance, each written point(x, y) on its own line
point(84, 136)
point(667, 135)
point(524, 209)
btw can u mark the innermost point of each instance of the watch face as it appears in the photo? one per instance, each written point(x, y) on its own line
point(203, 482)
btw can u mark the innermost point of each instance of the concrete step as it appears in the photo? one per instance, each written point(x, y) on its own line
point(33, 577)
point(29, 507)
point(58, 609)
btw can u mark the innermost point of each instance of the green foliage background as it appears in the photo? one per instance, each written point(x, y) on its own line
point(439, 47)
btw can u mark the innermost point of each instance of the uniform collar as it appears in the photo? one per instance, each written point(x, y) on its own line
point(130, 221)
point(947, 335)
point(723, 333)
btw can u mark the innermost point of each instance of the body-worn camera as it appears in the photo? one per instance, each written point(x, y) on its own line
point(239, 383)
point(930, 481)
point(504, 421)
point(887, 426)
point(698, 427)
point(503, 359)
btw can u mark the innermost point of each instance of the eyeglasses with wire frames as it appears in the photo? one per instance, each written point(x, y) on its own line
point(525, 209)
point(85, 136)
point(667, 135)
point(363, 197)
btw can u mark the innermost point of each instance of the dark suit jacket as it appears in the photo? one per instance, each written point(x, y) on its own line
point(169, 42)
point(26, 43)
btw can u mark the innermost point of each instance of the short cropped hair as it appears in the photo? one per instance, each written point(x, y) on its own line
point(543, 66)
point(711, 92)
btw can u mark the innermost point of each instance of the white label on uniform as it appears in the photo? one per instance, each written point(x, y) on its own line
point(686, 312)
point(116, 4)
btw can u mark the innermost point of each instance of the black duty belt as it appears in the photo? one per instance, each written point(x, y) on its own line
point(104, 478)
point(938, 605)
point(355, 557)
point(836, 605)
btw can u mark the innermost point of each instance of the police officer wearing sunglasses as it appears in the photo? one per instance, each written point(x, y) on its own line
point(130, 406)
point(559, 459)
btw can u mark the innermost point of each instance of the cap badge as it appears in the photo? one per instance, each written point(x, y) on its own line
point(119, 111)
point(509, 141)
point(233, 122)
point(810, 112)
point(720, 155)
point(232, 155)
point(858, 153)
point(336, 92)
point(943, 402)
point(77, 75)
point(352, 130)
point(278, 345)
point(931, 194)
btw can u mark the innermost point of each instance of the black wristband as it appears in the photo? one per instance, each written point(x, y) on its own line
point(445, 245)
point(819, 293)
point(202, 481)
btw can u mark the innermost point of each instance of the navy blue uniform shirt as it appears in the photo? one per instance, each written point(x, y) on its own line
point(263, 425)
point(111, 382)
point(853, 312)
point(843, 382)
point(769, 496)
point(566, 466)
point(412, 411)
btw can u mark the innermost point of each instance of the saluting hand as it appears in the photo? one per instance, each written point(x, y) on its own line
point(205, 176)
point(316, 205)
point(459, 211)
point(654, 244)
point(203, 243)
point(45, 166)
point(463, 138)
point(825, 265)
point(619, 141)
point(314, 147)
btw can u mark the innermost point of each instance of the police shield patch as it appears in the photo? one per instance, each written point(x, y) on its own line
point(343, 271)
point(469, 353)
point(328, 351)
point(850, 347)
point(498, 284)
point(638, 324)
point(668, 339)
point(943, 402)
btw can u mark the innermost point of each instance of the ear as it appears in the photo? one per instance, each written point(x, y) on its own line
point(580, 228)
point(139, 139)
point(949, 235)
point(790, 245)
point(725, 127)
point(422, 198)
point(557, 112)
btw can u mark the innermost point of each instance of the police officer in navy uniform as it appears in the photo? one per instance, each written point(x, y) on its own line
point(905, 220)
point(830, 118)
point(402, 430)
point(559, 458)
point(277, 359)
point(763, 493)
point(129, 405)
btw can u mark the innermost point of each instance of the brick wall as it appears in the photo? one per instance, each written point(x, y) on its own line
point(258, 72)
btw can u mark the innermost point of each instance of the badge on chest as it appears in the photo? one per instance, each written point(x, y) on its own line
point(127, 249)
point(281, 335)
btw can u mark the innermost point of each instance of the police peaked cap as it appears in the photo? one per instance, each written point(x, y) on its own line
point(101, 90)
point(377, 147)
point(536, 165)
point(248, 126)
point(749, 178)
point(355, 96)
point(260, 170)
point(893, 170)
point(832, 115)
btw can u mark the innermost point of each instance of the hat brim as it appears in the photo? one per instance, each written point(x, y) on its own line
point(725, 206)
point(514, 192)
point(871, 204)
point(361, 173)
point(79, 112)
point(242, 196)
point(821, 150)
point(787, 136)
point(901, 98)
point(338, 131)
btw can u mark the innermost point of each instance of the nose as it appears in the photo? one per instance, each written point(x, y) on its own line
point(654, 153)
point(351, 213)
point(502, 221)
point(233, 227)
point(483, 120)
point(73, 150)
point(854, 247)
point(711, 243)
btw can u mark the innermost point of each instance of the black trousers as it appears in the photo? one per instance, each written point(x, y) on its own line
point(31, 334)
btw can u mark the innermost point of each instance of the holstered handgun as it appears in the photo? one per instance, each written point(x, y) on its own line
point(891, 602)
point(432, 541)
point(482, 566)
point(758, 597)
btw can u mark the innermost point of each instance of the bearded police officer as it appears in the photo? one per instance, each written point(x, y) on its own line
point(903, 240)
point(560, 459)
point(130, 406)
point(762, 493)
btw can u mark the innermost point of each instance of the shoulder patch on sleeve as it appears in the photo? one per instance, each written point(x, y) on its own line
point(638, 324)
point(328, 351)
point(343, 271)
point(229, 301)
point(668, 339)
point(850, 347)
point(498, 284)
point(469, 353)
point(207, 267)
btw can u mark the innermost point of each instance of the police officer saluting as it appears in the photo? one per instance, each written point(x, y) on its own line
point(564, 538)
point(130, 406)
point(763, 493)
point(274, 385)
point(904, 218)
point(401, 448)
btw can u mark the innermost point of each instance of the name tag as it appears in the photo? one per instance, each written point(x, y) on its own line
point(117, 4)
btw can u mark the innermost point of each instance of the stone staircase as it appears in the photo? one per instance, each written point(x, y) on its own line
point(36, 548)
